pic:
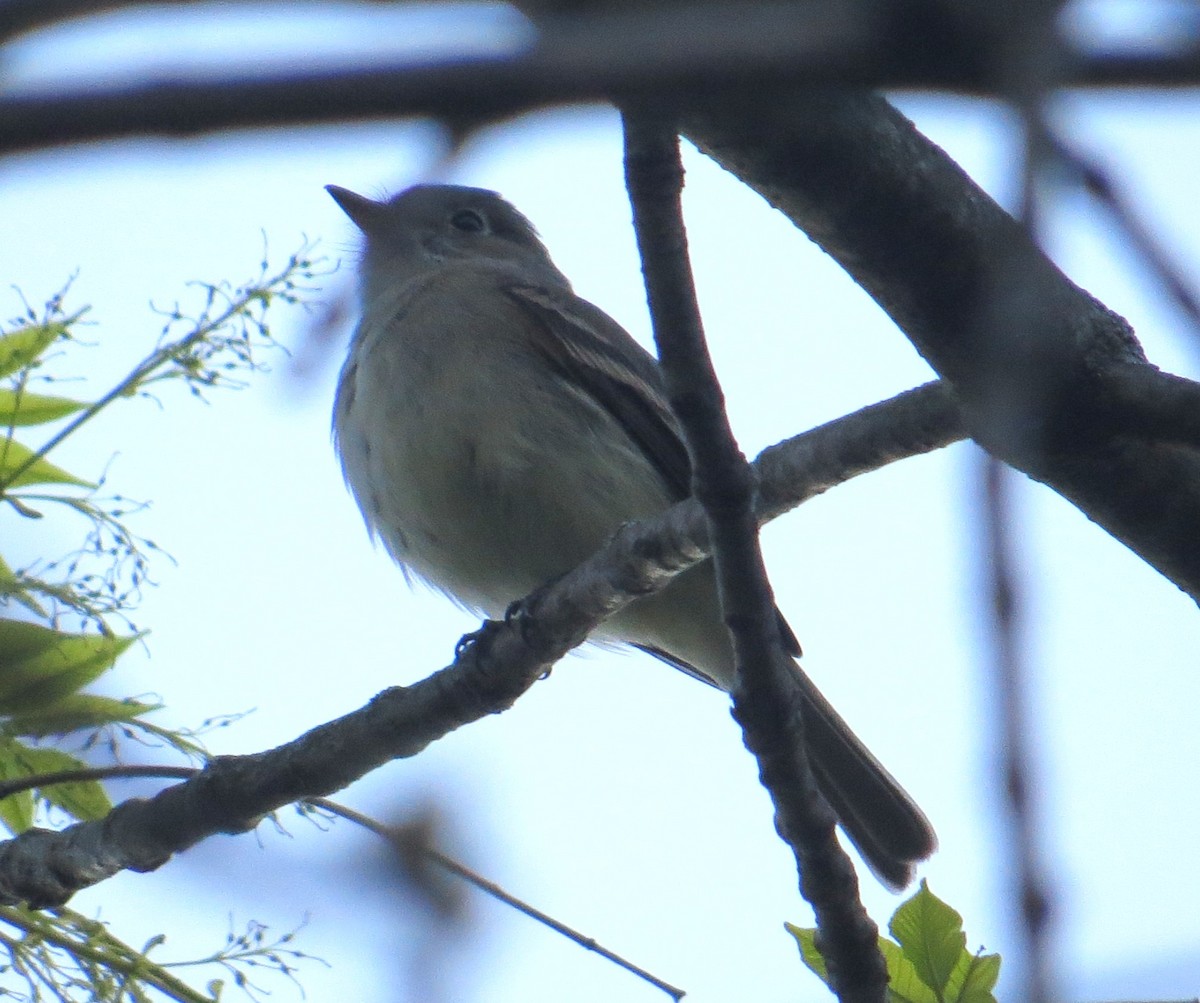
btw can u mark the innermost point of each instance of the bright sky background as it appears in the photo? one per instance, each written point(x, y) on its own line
point(616, 795)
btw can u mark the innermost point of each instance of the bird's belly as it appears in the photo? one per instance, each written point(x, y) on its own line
point(491, 496)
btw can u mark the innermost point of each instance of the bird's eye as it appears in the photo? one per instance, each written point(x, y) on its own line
point(468, 220)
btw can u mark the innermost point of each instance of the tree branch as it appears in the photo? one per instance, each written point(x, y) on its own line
point(927, 244)
point(767, 701)
point(406, 843)
point(232, 794)
point(603, 55)
point(797, 469)
point(1156, 406)
point(406, 839)
point(890, 206)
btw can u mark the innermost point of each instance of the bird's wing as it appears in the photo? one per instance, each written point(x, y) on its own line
point(597, 355)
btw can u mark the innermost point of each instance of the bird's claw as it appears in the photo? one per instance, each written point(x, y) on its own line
point(483, 637)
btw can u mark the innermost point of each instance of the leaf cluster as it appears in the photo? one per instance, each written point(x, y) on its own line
point(64, 956)
point(68, 618)
point(927, 957)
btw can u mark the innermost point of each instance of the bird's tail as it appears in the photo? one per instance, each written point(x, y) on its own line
point(883, 822)
point(682, 625)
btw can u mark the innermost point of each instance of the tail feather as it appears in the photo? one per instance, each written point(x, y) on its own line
point(890, 832)
point(683, 627)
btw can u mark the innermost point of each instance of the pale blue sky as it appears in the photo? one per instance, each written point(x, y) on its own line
point(616, 795)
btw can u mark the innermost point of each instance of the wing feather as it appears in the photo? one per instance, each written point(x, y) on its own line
point(598, 356)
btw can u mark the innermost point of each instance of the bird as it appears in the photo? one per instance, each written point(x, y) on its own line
point(495, 429)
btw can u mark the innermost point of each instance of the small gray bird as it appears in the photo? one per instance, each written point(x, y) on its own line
point(496, 429)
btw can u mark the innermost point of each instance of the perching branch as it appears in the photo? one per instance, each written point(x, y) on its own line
point(233, 793)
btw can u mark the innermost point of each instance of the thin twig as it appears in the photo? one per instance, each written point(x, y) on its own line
point(495, 891)
point(34, 781)
point(144, 369)
point(1106, 191)
point(41, 780)
point(1010, 677)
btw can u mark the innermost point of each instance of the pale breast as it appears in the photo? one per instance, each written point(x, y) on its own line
point(476, 465)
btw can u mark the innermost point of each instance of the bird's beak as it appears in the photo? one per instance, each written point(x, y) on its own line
point(365, 213)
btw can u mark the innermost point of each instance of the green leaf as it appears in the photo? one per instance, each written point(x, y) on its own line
point(34, 409)
point(77, 712)
point(13, 456)
point(929, 963)
point(931, 935)
point(806, 939)
point(20, 347)
point(42, 666)
point(83, 800)
point(974, 980)
point(16, 811)
point(904, 984)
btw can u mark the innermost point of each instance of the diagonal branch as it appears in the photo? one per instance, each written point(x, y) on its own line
point(232, 794)
point(406, 844)
point(767, 700)
point(927, 244)
point(802, 467)
point(407, 840)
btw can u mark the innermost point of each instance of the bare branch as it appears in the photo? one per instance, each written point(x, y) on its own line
point(917, 421)
point(390, 832)
point(1007, 404)
point(430, 852)
point(232, 794)
point(600, 56)
point(767, 700)
point(910, 227)
point(1154, 405)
